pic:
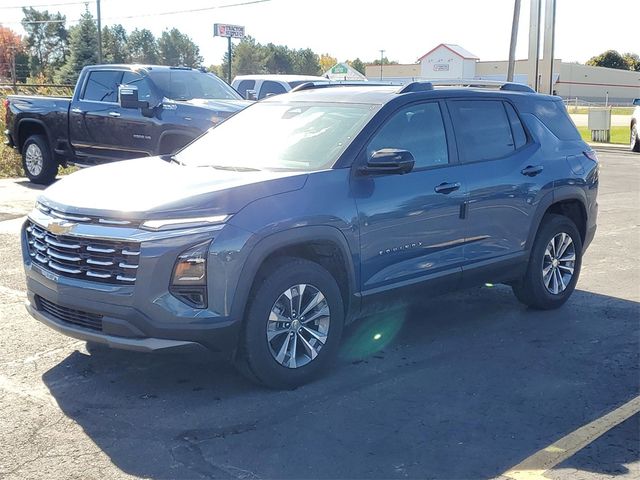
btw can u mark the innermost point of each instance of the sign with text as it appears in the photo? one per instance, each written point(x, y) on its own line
point(230, 31)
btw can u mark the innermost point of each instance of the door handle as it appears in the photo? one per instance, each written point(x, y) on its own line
point(447, 188)
point(532, 171)
point(76, 110)
point(114, 114)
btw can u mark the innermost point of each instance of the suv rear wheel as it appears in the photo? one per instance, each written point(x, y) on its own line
point(635, 139)
point(293, 326)
point(37, 161)
point(554, 265)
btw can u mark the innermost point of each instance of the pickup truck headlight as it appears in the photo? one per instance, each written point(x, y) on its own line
point(189, 279)
point(175, 223)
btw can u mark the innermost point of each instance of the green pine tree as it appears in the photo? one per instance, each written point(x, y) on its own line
point(83, 43)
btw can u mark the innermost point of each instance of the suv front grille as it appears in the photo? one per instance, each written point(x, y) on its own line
point(97, 260)
point(70, 315)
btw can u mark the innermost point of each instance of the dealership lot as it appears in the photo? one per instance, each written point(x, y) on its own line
point(466, 385)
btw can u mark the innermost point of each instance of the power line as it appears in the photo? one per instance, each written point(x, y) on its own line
point(46, 5)
point(156, 14)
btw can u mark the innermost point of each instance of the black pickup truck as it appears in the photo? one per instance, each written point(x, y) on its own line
point(117, 112)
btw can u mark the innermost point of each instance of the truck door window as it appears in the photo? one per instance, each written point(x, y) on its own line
point(137, 80)
point(245, 85)
point(418, 129)
point(270, 87)
point(102, 86)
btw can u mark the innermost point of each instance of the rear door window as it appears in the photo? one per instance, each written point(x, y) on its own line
point(102, 86)
point(270, 87)
point(517, 130)
point(483, 131)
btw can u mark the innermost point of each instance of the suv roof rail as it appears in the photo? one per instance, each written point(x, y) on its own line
point(424, 86)
point(314, 85)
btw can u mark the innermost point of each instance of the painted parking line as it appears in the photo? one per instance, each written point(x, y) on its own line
point(534, 467)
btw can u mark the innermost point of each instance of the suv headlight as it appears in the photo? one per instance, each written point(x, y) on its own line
point(189, 278)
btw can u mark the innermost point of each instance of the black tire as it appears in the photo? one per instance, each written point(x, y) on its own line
point(43, 173)
point(635, 139)
point(255, 360)
point(531, 289)
point(95, 348)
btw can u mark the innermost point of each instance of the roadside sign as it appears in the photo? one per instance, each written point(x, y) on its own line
point(230, 31)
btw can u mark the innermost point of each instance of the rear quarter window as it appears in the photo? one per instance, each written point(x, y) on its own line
point(555, 118)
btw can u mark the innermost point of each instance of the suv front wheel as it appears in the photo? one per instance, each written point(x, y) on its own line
point(293, 326)
point(554, 265)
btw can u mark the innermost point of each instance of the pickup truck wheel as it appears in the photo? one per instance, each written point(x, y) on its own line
point(293, 326)
point(37, 161)
point(554, 265)
point(635, 139)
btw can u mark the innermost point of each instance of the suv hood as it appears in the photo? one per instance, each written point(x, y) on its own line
point(149, 188)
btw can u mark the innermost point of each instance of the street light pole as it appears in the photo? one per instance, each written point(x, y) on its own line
point(381, 62)
point(99, 33)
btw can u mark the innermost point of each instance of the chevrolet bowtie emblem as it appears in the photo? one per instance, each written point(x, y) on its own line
point(60, 227)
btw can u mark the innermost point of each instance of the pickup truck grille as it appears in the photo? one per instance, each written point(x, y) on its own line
point(116, 222)
point(104, 261)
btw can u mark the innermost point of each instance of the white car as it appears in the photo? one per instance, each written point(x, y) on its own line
point(257, 87)
point(635, 121)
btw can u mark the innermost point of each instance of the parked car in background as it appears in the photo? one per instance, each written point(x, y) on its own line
point(634, 133)
point(264, 242)
point(162, 110)
point(257, 87)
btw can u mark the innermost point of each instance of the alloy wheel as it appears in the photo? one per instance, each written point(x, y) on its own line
point(298, 326)
point(33, 159)
point(558, 263)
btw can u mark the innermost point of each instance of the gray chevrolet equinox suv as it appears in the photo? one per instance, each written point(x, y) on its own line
point(265, 245)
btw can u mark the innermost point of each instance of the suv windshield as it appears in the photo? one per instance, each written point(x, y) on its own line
point(189, 84)
point(280, 136)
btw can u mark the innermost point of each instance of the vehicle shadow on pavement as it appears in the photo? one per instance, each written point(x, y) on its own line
point(462, 386)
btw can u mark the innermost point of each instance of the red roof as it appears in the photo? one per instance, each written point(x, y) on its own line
point(457, 49)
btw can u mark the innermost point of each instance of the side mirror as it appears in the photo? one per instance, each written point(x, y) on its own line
point(389, 161)
point(636, 102)
point(251, 95)
point(128, 95)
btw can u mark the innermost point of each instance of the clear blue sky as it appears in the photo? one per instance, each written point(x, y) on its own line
point(346, 29)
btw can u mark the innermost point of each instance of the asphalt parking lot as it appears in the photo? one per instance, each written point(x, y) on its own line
point(466, 385)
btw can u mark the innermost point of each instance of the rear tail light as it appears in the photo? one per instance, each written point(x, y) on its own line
point(591, 155)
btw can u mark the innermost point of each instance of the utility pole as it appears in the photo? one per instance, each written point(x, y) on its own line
point(549, 43)
point(514, 40)
point(381, 62)
point(99, 33)
point(534, 44)
point(229, 57)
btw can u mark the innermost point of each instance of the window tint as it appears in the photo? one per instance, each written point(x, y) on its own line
point(269, 87)
point(517, 129)
point(556, 119)
point(482, 130)
point(418, 129)
point(135, 79)
point(102, 86)
point(245, 85)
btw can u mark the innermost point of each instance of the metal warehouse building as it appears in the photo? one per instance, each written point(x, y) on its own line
point(571, 80)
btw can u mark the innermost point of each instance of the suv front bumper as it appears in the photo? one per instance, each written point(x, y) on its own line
point(141, 316)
